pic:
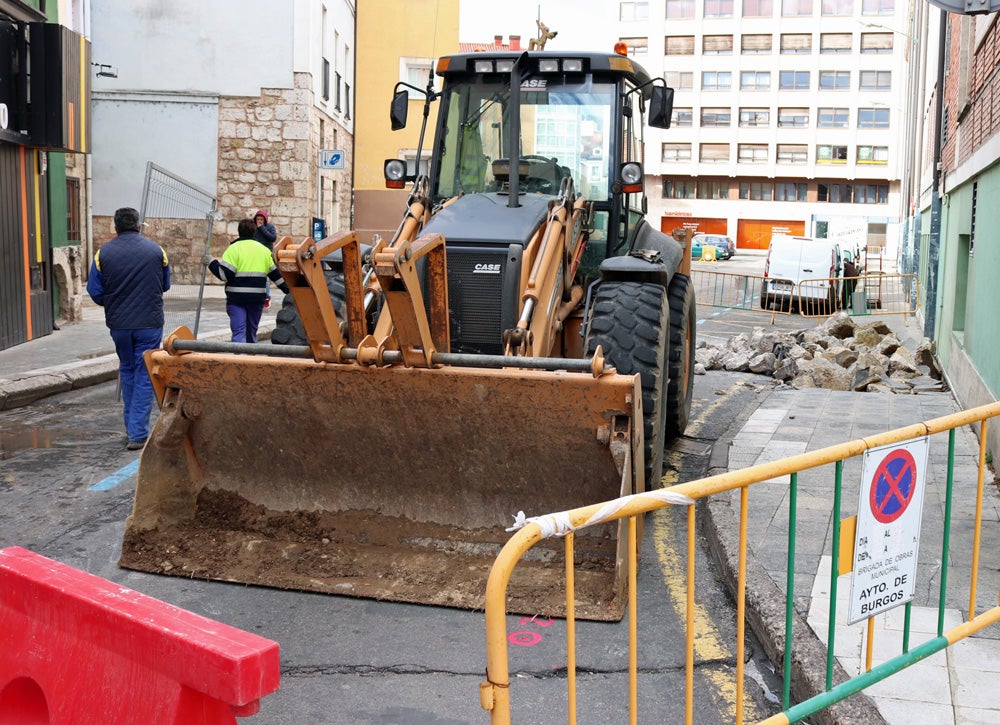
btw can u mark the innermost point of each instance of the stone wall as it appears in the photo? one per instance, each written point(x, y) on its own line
point(268, 159)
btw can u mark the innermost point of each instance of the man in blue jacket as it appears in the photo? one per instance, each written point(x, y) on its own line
point(128, 277)
point(245, 267)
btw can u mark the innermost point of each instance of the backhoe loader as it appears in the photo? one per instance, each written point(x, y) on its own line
point(523, 342)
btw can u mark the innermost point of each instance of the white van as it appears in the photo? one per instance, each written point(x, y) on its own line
point(802, 270)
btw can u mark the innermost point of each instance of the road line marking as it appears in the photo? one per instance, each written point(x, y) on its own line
point(122, 474)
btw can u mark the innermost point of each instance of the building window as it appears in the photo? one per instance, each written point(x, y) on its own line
point(325, 92)
point(757, 190)
point(718, 8)
point(681, 118)
point(679, 45)
point(873, 154)
point(713, 190)
point(713, 153)
point(679, 80)
point(758, 8)
point(835, 43)
point(944, 123)
point(679, 9)
point(347, 100)
point(755, 80)
point(789, 191)
point(755, 117)
point(876, 42)
point(717, 45)
point(827, 154)
point(876, 80)
point(793, 80)
point(712, 80)
point(336, 90)
point(871, 193)
point(755, 44)
point(73, 209)
point(751, 153)
point(415, 71)
point(793, 118)
point(678, 188)
point(837, 7)
point(676, 152)
point(878, 7)
point(835, 80)
point(636, 46)
point(716, 117)
point(835, 193)
point(410, 157)
point(873, 118)
point(796, 8)
point(832, 118)
point(631, 11)
point(792, 154)
point(796, 43)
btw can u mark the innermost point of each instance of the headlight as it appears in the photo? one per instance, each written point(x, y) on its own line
point(548, 65)
point(484, 66)
point(631, 173)
point(395, 173)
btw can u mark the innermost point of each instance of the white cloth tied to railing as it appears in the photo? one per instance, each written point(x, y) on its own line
point(559, 524)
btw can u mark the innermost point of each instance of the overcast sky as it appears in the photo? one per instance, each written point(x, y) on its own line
point(580, 24)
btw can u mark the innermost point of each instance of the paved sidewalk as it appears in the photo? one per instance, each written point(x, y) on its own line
point(956, 686)
point(953, 686)
point(82, 353)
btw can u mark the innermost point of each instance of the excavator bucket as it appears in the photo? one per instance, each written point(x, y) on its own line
point(384, 482)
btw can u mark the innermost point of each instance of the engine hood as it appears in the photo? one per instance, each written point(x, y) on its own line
point(486, 219)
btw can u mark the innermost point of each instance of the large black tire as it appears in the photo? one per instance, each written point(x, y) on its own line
point(683, 326)
point(631, 323)
point(288, 328)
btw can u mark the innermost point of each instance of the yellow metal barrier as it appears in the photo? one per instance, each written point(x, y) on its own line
point(495, 691)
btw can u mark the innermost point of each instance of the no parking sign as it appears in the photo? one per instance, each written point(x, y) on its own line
point(887, 535)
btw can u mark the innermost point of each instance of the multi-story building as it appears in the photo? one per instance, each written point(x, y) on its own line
point(45, 129)
point(237, 97)
point(956, 258)
point(789, 116)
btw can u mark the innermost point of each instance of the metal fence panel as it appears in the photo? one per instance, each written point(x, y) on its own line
point(176, 206)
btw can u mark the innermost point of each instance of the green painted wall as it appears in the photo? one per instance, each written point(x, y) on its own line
point(981, 336)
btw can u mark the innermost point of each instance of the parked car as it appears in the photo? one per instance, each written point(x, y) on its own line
point(802, 271)
point(725, 247)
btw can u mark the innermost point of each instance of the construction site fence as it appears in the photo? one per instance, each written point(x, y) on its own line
point(867, 294)
point(497, 692)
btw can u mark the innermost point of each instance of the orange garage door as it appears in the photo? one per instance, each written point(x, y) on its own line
point(697, 225)
point(757, 233)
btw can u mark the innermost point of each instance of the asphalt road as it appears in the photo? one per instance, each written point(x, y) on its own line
point(66, 487)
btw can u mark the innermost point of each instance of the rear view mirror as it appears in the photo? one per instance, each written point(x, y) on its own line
point(661, 106)
point(398, 109)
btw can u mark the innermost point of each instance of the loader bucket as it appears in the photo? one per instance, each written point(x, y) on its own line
point(382, 482)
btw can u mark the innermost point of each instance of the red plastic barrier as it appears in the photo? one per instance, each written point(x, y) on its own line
point(75, 648)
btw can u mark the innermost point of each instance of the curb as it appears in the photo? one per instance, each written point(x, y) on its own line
point(26, 388)
point(765, 611)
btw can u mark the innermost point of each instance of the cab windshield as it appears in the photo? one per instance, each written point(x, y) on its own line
point(565, 132)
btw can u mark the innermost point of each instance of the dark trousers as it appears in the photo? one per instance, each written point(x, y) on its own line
point(244, 320)
point(137, 390)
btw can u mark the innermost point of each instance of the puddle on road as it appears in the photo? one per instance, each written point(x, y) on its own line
point(16, 438)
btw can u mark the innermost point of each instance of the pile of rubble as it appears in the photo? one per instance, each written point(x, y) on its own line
point(837, 355)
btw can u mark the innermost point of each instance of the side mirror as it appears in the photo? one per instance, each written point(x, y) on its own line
point(661, 106)
point(398, 108)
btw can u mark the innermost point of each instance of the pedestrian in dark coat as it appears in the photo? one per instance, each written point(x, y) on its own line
point(266, 234)
point(128, 277)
